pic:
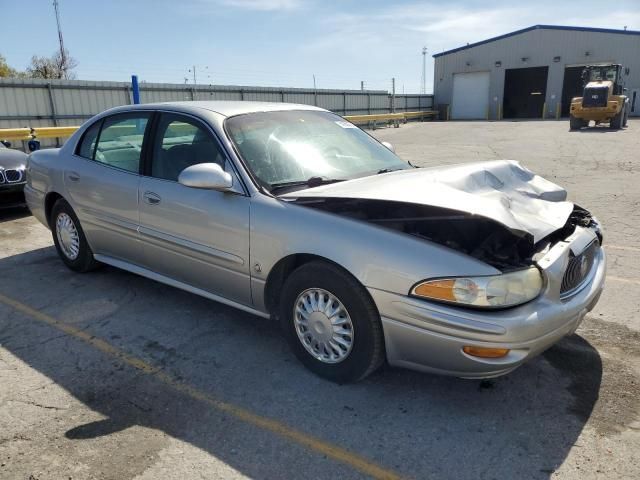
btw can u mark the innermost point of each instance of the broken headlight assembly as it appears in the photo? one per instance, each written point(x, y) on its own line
point(497, 291)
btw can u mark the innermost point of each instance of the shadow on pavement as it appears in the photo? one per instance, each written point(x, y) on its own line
point(12, 210)
point(519, 426)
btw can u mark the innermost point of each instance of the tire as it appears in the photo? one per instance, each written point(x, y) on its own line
point(626, 117)
point(616, 122)
point(319, 280)
point(576, 123)
point(74, 252)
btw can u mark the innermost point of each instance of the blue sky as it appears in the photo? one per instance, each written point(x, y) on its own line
point(278, 42)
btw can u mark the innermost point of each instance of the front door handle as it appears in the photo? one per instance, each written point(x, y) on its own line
point(73, 176)
point(151, 198)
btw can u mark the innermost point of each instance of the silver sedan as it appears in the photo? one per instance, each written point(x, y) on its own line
point(291, 212)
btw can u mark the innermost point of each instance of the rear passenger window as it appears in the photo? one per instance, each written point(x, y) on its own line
point(88, 144)
point(120, 141)
point(180, 143)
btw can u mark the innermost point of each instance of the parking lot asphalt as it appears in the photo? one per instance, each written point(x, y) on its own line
point(110, 375)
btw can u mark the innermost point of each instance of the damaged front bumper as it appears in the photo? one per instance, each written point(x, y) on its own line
point(429, 336)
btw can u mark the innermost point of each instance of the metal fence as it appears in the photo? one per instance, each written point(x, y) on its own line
point(38, 103)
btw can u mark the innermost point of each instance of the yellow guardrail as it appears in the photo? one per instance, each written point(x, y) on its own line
point(394, 118)
point(36, 132)
point(15, 133)
point(423, 114)
point(374, 118)
point(27, 133)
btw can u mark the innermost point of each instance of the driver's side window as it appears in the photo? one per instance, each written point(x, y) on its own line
point(180, 143)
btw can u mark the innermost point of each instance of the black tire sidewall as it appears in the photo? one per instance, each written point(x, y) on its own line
point(367, 348)
point(84, 261)
point(616, 121)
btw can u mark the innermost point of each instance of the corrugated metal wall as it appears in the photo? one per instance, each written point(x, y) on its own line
point(34, 103)
point(537, 48)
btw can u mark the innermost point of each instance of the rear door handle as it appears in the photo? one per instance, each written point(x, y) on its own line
point(73, 176)
point(151, 198)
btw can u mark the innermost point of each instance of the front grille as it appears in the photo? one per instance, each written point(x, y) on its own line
point(1, 176)
point(13, 176)
point(595, 97)
point(578, 269)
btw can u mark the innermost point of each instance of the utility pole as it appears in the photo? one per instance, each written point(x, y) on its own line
point(62, 52)
point(362, 85)
point(423, 87)
point(194, 74)
point(314, 81)
point(393, 95)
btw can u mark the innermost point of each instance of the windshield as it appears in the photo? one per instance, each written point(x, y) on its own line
point(603, 73)
point(298, 145)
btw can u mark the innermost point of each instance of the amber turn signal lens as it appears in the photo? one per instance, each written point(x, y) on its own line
point(438, 289)
point(486, 352)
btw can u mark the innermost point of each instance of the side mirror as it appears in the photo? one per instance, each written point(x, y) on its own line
point(389, 146)
point(209, 176)
point(6, 143)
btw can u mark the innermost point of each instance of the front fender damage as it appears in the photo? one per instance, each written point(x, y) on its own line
point(479, 237)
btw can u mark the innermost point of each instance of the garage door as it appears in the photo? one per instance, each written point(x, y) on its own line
point(470, 96)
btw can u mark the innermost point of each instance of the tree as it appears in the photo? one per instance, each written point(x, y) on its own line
point(6, 70)
point(57, 66)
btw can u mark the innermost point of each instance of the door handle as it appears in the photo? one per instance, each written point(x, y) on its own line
point(151, 198)
point(73, 176)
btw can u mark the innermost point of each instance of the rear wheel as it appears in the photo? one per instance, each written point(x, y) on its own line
point(626, 117)
point(576, 123)
point(616, 121)
point(69, 238)
point(331, 323)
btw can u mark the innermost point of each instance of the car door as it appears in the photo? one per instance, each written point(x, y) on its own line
point(102, 183)
point(196, 236)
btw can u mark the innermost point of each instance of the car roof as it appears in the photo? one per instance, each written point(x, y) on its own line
point(228, 108)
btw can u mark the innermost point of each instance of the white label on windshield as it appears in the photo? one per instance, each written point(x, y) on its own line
point(345, 124)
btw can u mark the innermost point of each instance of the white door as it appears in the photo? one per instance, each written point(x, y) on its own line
point(470, 96)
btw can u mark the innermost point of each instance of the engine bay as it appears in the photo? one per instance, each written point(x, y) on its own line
point(476, 236)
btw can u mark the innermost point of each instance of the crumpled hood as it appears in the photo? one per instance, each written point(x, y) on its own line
point(502, 190)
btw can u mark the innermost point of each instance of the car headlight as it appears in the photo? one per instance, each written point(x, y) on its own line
point(495, 291)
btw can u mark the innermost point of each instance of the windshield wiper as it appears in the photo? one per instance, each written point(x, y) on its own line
point(388, 170)
point(310, 183)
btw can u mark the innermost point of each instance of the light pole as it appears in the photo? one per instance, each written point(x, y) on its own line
point(424, 71)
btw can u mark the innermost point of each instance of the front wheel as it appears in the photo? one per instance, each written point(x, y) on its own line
point(616, 121)
point(576, 123)
point(331, 323)
point(69, 238)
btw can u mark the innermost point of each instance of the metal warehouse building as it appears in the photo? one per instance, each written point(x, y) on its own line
point(531, 73)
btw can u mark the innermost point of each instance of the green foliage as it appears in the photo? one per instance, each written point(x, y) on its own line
point(55, 67)
point(6, 70)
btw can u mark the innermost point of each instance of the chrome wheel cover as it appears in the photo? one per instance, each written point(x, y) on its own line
point(323, 325)
point(68, 237)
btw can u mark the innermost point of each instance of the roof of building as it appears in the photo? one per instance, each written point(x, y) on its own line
point(539, 27)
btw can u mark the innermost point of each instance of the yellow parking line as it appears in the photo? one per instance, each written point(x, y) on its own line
point(274, 426)
point(624, 280)
point(620, 247)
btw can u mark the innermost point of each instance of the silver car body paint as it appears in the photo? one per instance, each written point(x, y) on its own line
point(224, 245)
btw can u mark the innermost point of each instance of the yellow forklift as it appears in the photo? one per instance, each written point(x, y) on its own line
point(603, 99)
